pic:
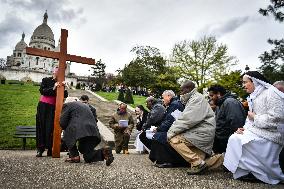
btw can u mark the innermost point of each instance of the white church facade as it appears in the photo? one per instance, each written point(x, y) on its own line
point(21, 66)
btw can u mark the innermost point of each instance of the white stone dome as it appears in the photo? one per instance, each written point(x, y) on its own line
point(43, 34)
point(21, 45)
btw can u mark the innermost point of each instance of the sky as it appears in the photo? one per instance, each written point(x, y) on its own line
point(109, 29)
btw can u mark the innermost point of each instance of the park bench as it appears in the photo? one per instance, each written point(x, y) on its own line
point(25, 132)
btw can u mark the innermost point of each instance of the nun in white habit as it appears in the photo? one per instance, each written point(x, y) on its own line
point(255, 148)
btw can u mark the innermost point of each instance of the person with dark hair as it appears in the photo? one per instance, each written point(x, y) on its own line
point(230, 115)
point(85, 99)
point(154, 118)
point(79, 125)
point(122, 124)
point(45, 113)
point(141, 114)
point(141, 117)
point(253, 151)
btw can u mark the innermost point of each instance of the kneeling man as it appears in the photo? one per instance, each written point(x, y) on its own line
point(192, 134)
point(80, 125)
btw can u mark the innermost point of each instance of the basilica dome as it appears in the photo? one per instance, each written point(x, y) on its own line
point(43, 37)
point(22, 44)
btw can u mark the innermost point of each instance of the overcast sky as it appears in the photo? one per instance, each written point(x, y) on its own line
point(109, 29)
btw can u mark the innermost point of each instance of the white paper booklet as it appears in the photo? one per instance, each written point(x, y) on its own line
point(176, 113)
point(123, 123)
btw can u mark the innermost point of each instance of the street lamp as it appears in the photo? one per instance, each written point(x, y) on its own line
point(247, 68)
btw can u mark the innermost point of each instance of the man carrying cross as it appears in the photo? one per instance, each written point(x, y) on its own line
point(45, 114)
point(63, 57)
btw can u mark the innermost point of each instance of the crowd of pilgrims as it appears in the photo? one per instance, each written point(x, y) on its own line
point(188, 131)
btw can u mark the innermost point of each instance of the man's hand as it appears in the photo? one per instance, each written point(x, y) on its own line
point(251, 115)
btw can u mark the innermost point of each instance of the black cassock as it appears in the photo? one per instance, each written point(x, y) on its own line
point(45, 115)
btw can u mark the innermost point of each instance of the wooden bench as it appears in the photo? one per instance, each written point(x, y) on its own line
point(25, 132)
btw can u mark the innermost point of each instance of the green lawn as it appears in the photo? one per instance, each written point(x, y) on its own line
point(17, 107)
point(113, 96)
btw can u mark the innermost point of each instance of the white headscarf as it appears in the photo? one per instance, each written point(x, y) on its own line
point(259, 86)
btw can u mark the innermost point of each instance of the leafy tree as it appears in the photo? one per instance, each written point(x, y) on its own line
point(166, 81)
point(272, 67)
point(147, 69)
point(99, 73)
point(202, 60)
point(232, 82)
point(128, 97)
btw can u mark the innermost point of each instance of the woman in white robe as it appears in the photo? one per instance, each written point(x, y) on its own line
point(255, 148)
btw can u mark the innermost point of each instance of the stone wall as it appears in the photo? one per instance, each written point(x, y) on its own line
point(13, 74)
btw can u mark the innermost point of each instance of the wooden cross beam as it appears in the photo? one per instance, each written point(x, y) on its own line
point(63, 57)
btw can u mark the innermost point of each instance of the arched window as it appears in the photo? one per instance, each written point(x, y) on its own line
point(37, 60)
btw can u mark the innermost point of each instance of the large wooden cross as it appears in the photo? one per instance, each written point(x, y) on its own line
point(63, 57)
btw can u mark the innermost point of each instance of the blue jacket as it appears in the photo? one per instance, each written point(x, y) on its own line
point(161, 134)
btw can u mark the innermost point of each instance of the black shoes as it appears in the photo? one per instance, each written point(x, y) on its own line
point(164, 165)
point(108, 156)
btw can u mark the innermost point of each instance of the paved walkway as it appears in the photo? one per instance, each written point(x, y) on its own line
point(21, 169)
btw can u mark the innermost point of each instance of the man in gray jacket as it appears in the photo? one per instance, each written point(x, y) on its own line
point(80, 125)
point(192, 134)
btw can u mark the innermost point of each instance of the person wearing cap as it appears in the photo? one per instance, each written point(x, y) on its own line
point(45, 113)
point(85, 99)
point(253, 151)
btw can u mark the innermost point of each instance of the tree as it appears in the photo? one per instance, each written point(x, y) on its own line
point(201, 61)
point(232, 82)
point(147, 69)
point(128, 97)
point(272, 67)
point(99, 73)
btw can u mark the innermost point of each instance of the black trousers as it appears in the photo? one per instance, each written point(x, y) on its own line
point(220, 145)
point(147, 142)
point(86, 147)
point(164, 153)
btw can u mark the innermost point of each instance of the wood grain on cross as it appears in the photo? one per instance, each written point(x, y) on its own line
point(63, 57)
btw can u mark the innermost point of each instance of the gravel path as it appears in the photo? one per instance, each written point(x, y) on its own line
point(21, 169)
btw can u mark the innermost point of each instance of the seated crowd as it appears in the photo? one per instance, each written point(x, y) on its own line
point(191, 132)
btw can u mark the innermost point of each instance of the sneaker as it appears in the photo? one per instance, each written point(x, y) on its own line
point(196, 170)
point(75, 159)
point(39, 153)
point(108, 156)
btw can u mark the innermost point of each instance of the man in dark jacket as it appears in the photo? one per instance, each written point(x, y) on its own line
point(155, 116)
point(161, 152)
point(230, 115)
point(79, 124)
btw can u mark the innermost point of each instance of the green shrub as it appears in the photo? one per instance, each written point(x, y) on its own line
point(128, 97)
point(78, 86)
point(16, 82)
point(120, 95)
